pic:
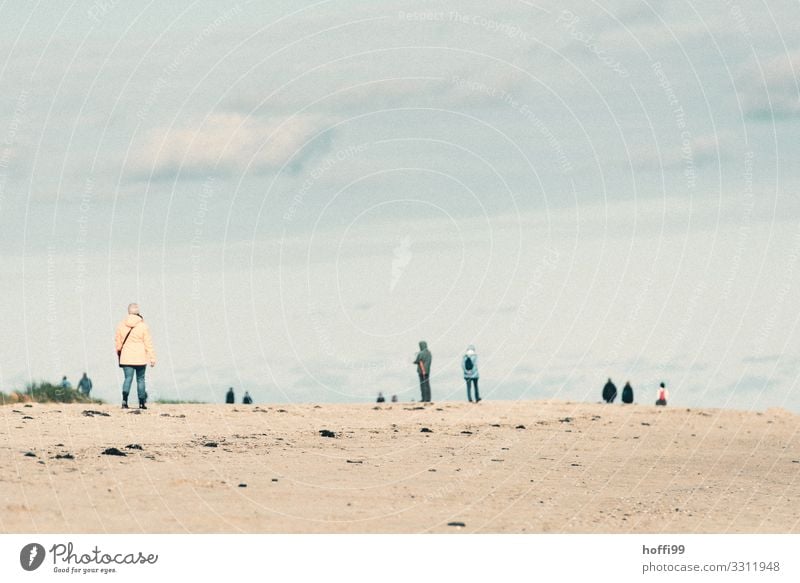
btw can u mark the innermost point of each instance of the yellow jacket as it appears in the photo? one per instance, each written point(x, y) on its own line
point(138, 349)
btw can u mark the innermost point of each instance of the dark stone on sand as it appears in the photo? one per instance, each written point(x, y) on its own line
point(210, 444)
point(59, 445)
point(460, 524)
point(326, 433)
point(274, 479)
point(425, 430)
point(113, 451)
point(91, 413)
point(30, 454)
point(645, 423)
point(565, 420)
point(65, 456)
point(243, 485)
point(27, 405)
point(135, 411)
point(520, 427)
point(465, 432)
point(355, 462)
point(27, 417)
point(134, 446)
point(495, 425)
point(575, 465)
point(282, 411)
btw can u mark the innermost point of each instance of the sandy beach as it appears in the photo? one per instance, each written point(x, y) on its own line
point(495, 467)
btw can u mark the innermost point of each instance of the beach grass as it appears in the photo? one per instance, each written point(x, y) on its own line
point(43, 392)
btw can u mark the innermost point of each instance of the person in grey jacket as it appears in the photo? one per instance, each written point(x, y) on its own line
point(469, 364)
point(423, 362)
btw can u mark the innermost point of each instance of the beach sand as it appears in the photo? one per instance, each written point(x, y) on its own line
point(496, 467)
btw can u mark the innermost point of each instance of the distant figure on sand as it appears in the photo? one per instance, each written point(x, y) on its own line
point(609, 392)
point(230, 398)
point(247, 399)
point(381, 398)
point(85, 385)
point(627, 393)
point(394, 398)
point(65, 384)
point(469, 365)
point(134, 351)
point(423, 362)
point(663, 395)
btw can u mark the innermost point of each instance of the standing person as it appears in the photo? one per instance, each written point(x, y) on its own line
point(247, 399)
point(627, 393)
point(469, 364)
point(423, 362)
point(85, 385)
point(394, 398)
point(609, 392)
point(230, 398)
point(381, 398)
point(65, 384)
point(663, 395)
point(134, 352)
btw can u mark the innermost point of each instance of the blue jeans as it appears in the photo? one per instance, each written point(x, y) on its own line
point(126, 384)
point(469, 392)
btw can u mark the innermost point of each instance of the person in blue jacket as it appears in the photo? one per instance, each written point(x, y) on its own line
point(469, 364)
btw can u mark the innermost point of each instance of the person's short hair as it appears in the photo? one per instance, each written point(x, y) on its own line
point(133, 308)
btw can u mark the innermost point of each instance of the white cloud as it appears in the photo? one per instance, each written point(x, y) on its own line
point(696, 150)
point(228, 143)
point(771, 87)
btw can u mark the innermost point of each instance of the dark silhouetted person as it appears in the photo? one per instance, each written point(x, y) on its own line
point(134, 352)
point(230, 398)
point(627, 393)
point(65, 384)
point(381, 398)
point(423, 362)
point(85, 385)
point(394, 398)
point(247, 399)
point(469, 366)
point(609, 392)
point(663, 395)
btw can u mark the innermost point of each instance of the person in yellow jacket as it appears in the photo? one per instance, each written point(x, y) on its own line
point(134, 352)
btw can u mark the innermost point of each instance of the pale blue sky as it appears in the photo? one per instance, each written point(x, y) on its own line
point(296, 193)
